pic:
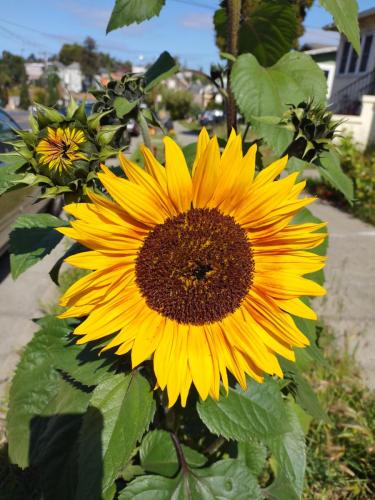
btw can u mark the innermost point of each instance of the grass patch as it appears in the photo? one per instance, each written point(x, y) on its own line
point(341, 454)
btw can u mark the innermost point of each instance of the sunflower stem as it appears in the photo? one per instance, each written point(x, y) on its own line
point(144, 130)
point(180, 453)
point(234, 16)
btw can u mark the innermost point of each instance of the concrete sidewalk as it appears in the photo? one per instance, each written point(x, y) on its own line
point(349, 307)
point(20, 302)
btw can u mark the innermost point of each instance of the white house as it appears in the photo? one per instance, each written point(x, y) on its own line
point(71, 76)
point(34, 70)
point(353, 90)
point(325, 57)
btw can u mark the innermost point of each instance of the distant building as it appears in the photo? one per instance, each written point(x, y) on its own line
point(353, 90)
point(325, 57)
point(34, 70)
point(139, 69)
point(355, 75)
point(71, 76)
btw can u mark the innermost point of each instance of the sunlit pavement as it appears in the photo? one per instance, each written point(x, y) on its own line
point(349, 307)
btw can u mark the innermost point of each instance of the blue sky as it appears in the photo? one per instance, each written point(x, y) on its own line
point(184, 27)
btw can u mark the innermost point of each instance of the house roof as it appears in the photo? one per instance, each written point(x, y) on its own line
point(322, 50)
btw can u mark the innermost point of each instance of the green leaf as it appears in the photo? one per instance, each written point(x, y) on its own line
point(126, 12)
point(289, 460)
point(107, 133)
point(158, 454)
point(258, 412)
point(226, 479)
point(93, 120)
point(254, 454)
point(72, 108)
point(330, 169)
point(121, 409)
point(48, 115)
point(123, 106)
point(35, 390)
point(303, 392)
point(32, 238)
point(193, 458)
point(345, 15)
point(81, 363)
point(297, 165)
point(267, 31)
point(263, 91)
point(311, 354)
point(164, 67)
point(54, 438)
point(9, 178)
point(80, 113)
point(33, 124)
point(54, 272)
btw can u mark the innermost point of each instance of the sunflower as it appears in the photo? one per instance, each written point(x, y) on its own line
point(60, 148)
point(202, 272)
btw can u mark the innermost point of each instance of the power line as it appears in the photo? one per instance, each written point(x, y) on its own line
point(196, 4)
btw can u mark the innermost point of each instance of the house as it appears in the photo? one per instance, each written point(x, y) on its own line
point(353, 90)
point(325, 57)
point(70, 76)
point(34, 70)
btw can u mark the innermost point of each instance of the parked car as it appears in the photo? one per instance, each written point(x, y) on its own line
point(19, 201)
point(211, 116)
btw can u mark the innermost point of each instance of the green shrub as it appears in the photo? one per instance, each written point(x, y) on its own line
point(178, 103)
point(360, 167)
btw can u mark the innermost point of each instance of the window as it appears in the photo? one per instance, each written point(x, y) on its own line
point(366, 48)
point(344, 57)
point(353, 61)
point(350, 62)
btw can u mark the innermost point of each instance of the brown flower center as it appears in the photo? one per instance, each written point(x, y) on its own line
point(196, 267)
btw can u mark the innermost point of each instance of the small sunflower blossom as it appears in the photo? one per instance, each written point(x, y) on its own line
point(60, 148)
point(200, 272)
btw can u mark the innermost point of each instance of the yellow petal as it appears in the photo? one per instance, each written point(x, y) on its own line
point(178, 177)
point(200, 362)
point(203, 140)
point(206, 174)
point(270, 173)
point(163, 353)
point(133, 198)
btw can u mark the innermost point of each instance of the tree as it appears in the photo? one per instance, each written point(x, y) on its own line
point(178, 103)
point(53, 81)
point(15, 67)
point(85, 55)
point(24, 95)
point(89, 44)
point(69, 53)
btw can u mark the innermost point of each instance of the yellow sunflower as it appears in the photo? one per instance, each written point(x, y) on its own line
point(60, 148)
point(199, 272)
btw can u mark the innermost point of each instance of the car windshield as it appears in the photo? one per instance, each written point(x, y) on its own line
point(7, 124)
